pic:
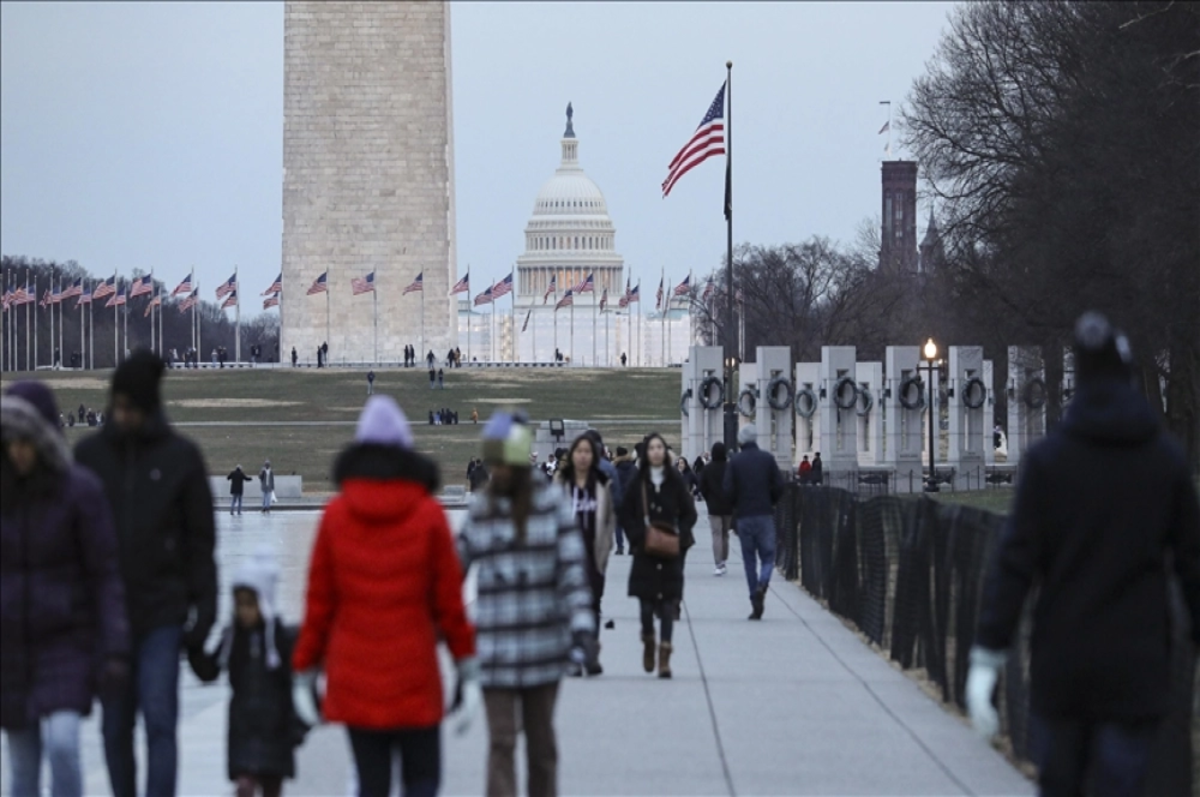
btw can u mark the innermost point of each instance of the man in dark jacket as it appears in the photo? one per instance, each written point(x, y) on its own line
point(752, 486)
point(237, 489)
point(163, 512)
point(720, 513)
point(626, 469)
point(1104, 503)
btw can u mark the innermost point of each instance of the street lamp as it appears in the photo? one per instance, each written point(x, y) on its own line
point(729, 414)
point(930, 352)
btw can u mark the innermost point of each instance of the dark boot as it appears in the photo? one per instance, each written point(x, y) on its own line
point(648, 651)
point(593, 664)
point(664, 660)
point(756, 602)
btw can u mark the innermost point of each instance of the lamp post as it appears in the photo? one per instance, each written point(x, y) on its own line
point(730, 408)
point(930, 352)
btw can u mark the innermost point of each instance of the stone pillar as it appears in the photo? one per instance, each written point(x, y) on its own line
point(969, 432)
point(989, 418)
point(704, 427)
point(839, 426)
point(747, 396)
point(808, 430)
point(869, 412)
point(1026, 399)
point(775, 426)
point(904, 432)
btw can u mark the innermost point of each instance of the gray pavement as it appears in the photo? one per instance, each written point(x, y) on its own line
point(793, 705)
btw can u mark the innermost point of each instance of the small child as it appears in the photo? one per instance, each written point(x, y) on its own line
point(256, 651)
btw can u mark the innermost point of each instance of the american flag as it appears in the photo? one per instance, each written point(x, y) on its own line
point(45, 302)
point(709, 290)
point(463, 285)
point(624, 300)
point(6, 299)
point(604, 300)
point(271, 301)
point(142, 286)
point(586, 286)
point(485, 297)
point(183, 287)
point(56, 294)
point(85, 297)
point(276, 286)
point(567, 300)
point(106, 288)
point(525, 326)
point(231, 301)
point(155, 302)
point(320, 284)
point(658, 302)
point(76, 289)
point(551, 288)
point(228, 286)
point(685, 287)
point(636, 293)
point(190, 302)
point(708, 140)
point(503, 287)
point(417, 285)
point(360, 286)
point(24, 295)
point(116, 299)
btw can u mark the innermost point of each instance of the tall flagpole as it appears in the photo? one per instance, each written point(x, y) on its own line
point(572, 344)
point(595, 301)
point(116, 324)
point(375, 310)
point(37, 356)
point(731, 337)
point(91, 311)
point(555, 357)
point(512, 315)
point(125, 321)
point(82, 343)
point(61, 346)
point(237, 317)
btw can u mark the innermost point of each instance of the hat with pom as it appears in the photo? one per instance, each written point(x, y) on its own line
point(383, 422)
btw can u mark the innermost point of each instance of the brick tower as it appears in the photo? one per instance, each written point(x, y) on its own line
point(368, 178)
point(898, 249)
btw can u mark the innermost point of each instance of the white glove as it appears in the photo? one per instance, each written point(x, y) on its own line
point(468, 696)
point(981, 683)
point(304, 699)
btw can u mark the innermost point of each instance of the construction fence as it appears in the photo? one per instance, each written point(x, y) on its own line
point(908, 572)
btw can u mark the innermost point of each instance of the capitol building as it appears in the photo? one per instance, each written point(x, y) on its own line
point(569, 237)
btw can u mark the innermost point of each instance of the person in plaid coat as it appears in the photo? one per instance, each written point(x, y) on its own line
point(534, 606)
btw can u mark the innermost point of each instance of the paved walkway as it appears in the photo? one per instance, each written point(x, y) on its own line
point(793, 705)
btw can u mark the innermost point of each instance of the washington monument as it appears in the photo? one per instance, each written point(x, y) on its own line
point(368, 179)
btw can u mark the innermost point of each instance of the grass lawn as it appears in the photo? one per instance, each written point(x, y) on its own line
point(328, 401)
point(998, 500)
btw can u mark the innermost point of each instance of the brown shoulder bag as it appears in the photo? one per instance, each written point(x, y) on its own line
point(662, 538)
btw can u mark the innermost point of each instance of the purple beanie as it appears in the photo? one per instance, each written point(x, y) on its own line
point(40, 397)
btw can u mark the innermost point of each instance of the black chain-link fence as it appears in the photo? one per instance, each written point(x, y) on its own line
point(909, 573)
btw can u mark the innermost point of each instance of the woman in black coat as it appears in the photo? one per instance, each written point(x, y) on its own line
point(657, 583)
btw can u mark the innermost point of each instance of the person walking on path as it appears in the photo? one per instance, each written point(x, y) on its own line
point(817, 471)
point(752, 487)
point(256, 649)
point(384, 584)
point(266, 484)
point(163, 507)
point(534, 611)
point(626, 469)
point(720, 511)
point(370, 383)
point(295, 357)
point(1104, 506)
point(658, 494)
point(237, 481)
point(591, 495)
point(805, 471)
point(63, 629)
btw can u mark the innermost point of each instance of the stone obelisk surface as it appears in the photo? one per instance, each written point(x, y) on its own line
point(368, 182)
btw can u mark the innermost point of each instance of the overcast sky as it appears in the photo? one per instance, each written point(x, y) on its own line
point(150, 135)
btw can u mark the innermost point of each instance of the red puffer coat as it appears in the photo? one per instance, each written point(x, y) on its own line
point(384, 583)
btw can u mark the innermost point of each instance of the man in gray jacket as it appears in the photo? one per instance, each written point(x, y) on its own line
point(753, 485)
point(266, 483)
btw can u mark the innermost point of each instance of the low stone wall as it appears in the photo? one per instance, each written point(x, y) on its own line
point(285, 487)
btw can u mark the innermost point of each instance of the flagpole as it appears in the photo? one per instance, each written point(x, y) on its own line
point(731, 336)
point(423, 312)
point(91, 341)
point(37, 355)
point(125, 321)
point(555, 357)
point(82, 343)
point(237, 317)
point(512, 316)
point(61, 346)
point(50, 307)
point(572, 345)
point(375, 310)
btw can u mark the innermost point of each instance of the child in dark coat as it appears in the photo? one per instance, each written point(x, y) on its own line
point(256, 651)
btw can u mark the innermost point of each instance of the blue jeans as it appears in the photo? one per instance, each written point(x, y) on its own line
point(153, 688)
point(1116, 753)
point(235, 503)
point(620, 535)
point(757, 535)
point(266, 498)
point(57, 735)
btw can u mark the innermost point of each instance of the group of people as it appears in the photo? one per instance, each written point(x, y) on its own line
point(189, 359)
point(237, 488)
point(443, 417)
point(811, 472)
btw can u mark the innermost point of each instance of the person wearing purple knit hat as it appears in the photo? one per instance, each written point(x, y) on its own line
point(63, 629)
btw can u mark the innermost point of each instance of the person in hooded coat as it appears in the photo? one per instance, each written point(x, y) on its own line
point(384, 585)
point(237, 489)
point(720, 511)
point(64, 634)
point(1105, 507)
point(256, 649)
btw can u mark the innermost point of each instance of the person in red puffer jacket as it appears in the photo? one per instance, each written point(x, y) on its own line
point(384, 585)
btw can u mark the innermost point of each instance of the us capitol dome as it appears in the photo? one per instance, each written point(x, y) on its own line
point(570, 235)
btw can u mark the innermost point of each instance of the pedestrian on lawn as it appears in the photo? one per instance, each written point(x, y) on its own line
point(266, 483)
point(658, 494)
point(370, 383)
point(1105, 508)
point(237, 482)
point(720, 511)
point(534, 611)
point(64, 634)
point(384, 585)
point(158, 485)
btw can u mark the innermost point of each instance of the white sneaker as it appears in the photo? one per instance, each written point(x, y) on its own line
point(719, 570)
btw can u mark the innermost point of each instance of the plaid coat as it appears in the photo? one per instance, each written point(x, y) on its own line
point(533, 595)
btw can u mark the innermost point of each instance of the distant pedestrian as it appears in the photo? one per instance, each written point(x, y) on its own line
point(530, 627)
point(440, 380)
point(430, 359)
point(477, 477)
point(658, 497)
point(622, 359)
point(805, 471)
point(432, 379)
point(256, 650)
point(64, 634)
point(266, 483)
point(752, 487)
point(237, 481)
point(474, 415)
point(158, 485)
point(1105, 509)
point(370, 383)
point(818, 469)
point(295, 357)
point(384, 584)
point(720, 511)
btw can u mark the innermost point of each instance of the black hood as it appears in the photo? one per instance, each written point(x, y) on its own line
point(154, 427)
point(1111, 412)
point(384, 463)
